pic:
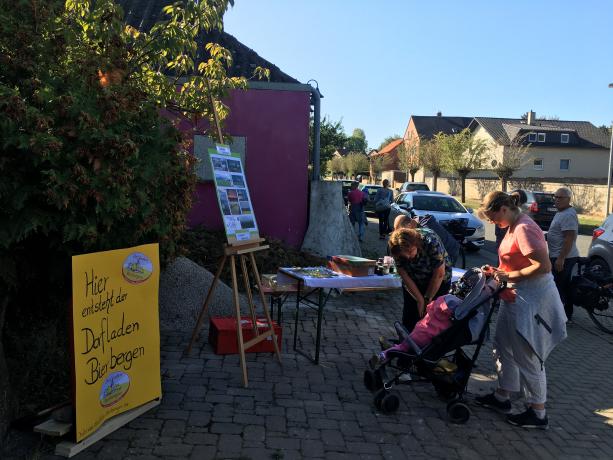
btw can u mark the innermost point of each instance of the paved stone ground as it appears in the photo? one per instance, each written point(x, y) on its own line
point(299, 410)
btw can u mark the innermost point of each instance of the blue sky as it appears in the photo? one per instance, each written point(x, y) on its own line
point(379, 62)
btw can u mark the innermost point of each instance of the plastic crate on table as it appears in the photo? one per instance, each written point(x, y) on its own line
point(352, 265)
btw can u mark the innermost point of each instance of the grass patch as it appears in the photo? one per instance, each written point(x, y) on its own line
point(587, 224)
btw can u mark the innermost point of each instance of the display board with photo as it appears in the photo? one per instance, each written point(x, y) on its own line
point(233, 195)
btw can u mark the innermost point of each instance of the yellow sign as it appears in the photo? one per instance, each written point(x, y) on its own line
point(116, 333)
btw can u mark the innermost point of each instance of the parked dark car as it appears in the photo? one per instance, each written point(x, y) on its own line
point(413, 187)
point(346, 186)
point(540, 207)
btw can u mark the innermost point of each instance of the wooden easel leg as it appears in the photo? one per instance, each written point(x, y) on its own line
point(205, 306)
point(256, 274)
point(239, 329)
point(254, 319)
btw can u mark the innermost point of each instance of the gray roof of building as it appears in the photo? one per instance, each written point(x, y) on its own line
point(503, 130)
point(428, 126)
point(143, 14)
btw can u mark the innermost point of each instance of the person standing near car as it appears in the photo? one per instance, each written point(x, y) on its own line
point(357, 198)
point(562, 243)
point(383, 203)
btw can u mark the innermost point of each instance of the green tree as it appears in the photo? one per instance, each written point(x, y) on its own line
point(511, 159)
point(331, 138)
point(356, 143)
point(378, 164)
point(462, 154)
point(408, 157)
point(356, 163)
point(336, 166)
point(87, 161)
point(431, 158)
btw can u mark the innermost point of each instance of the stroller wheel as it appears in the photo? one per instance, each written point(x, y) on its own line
point(372, 380)
point(378, 398)
point(390, 403)
point(458, 412)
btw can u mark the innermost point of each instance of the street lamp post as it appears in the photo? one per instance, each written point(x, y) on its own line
point(609, 170)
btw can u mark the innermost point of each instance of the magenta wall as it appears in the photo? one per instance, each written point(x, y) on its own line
point(276, 127)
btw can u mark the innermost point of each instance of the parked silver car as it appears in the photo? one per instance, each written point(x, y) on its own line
point(601, 249)
point(442, 206)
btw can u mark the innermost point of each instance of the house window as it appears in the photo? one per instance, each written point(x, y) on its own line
point(538, 164)
point(532, 137)
point(564, 138)
point(541, 137)
point(565, 164)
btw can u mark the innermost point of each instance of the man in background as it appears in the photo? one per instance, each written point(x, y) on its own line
point(562, 243)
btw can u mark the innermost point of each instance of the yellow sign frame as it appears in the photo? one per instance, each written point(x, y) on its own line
point(116, 333)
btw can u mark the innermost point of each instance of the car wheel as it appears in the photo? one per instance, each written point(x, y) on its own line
point(470, 247)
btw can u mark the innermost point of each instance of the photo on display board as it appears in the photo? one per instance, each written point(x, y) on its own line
point(232, 194)
point(225, 204)
point(237, 180)
point(247, 222)
point(242, 194)
point(219, 164)
point(235, 208)
point(232, 224)
point(223, 179)
point(245, 207)
point(234, 166)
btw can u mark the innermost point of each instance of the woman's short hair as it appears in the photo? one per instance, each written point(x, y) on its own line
point(404, 238)
point(493, 201)
point(385, 183)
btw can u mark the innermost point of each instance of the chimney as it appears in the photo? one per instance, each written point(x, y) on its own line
point(439, 114)
point(531, 117)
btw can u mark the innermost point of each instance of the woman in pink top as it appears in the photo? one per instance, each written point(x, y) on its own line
point(531, 319)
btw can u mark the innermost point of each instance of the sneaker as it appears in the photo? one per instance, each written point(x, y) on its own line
point(491, 402)
point(528, 419)
point(405, 377)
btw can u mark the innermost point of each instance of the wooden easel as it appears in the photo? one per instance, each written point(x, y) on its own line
point(242, 252)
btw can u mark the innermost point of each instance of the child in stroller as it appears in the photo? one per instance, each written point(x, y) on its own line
point(432, 352)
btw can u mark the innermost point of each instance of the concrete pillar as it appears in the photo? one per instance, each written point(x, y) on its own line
point(330, 232)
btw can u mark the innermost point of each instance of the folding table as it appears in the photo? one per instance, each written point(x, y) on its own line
point(316, 285)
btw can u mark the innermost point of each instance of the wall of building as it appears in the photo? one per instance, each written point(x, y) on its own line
point(587, 198)
point(586, 163)
point(275, 124)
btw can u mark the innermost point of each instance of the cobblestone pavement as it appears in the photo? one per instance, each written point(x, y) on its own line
point(299, 410)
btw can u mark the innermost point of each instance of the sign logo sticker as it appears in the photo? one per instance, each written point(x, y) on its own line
point(114, 388)
point(137, 268)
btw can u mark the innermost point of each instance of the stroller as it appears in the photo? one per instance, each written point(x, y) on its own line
point(442, 362)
